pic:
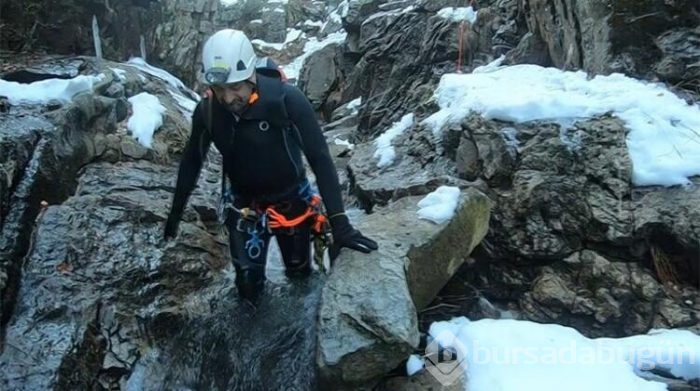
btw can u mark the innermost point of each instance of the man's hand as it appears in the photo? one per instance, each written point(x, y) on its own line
point(344, 235)
point(171, 227)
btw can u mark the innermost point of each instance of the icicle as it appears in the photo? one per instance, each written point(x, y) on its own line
point(96, 39)
point(143, 48)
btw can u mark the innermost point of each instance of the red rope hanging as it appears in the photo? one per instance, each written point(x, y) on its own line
point(460, 50)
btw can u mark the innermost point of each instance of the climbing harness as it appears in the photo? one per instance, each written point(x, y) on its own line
point(255, 221)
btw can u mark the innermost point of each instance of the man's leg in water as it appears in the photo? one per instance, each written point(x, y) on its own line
point(295, 243)
point(296, 250)
point(249, 265)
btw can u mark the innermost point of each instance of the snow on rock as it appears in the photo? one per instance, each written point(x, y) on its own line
point(440, 205)
point(385, 151)
point(162, 74)
point(43, 91)
point(146, 118)
point(293, 69)
point(519, 355)
point(664, 137)
point(458, 14)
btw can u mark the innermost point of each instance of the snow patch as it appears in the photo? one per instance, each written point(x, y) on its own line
point(146, 118)
point(385, 151)
point(440, 205)
point(458, 14)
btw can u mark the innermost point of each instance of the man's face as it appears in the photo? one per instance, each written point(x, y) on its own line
point(234, 97)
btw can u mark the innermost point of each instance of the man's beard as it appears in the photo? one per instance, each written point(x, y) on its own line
point(236, 106)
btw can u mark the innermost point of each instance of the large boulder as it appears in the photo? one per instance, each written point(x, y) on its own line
point(367, 320)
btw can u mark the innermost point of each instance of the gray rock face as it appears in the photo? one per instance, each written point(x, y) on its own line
point(321, 76)
point(358, 11)
point(68, 289)
point(299, 11)
point(102, 292)
point(602, 37)
point(367, 320)
point(419, 167)
point(618, 297)
point(65, 27)
point(403, 53)
point(274, 17)
point(681, 55)
point(178, 37)
point(433, 264)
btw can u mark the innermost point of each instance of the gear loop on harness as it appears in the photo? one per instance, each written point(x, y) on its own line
point(254, 247)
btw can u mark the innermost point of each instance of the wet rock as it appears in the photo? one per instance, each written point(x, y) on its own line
point(45, 149)
point(437, 5)
point(26, 153)
point(368, 323)
point(133, 149)
point(299, 11)
point(349, 109)
point(100, 251)
point(64, 28)
point(115, 91)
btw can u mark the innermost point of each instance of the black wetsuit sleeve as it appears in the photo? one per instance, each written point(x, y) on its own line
point(192, 160)
point(315, 148)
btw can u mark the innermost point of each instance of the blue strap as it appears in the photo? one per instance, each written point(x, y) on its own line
point(305, 191)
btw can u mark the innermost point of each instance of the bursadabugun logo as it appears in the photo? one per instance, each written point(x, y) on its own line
point(445, 358)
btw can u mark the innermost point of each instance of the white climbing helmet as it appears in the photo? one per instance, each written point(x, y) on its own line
point(228, 57)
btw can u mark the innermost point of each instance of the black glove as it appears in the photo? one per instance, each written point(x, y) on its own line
point(171, 227)
point(344, 235)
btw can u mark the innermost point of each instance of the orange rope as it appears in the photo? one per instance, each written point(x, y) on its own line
point(278, 220)
point(460, 50)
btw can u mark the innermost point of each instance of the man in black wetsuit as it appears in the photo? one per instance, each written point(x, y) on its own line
point(262, 125)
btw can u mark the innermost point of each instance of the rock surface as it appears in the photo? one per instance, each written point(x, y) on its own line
point(367, 320)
